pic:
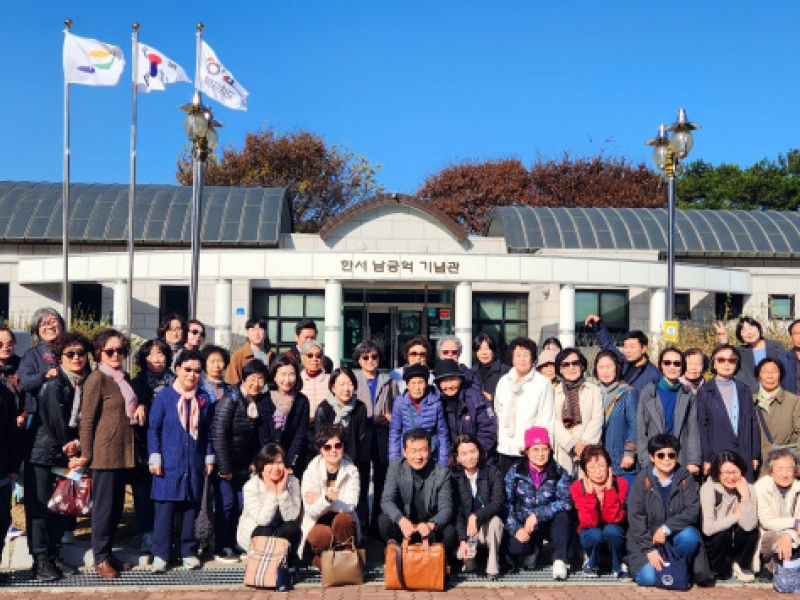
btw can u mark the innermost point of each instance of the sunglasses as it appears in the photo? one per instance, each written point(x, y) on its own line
point(449, 352)
point(72, 354)
point(571, 363)
point(369, 357)
point(109, 352)
point(314, 355)
point(329, 447)
point(731, 361)
point(672, 363)
point(195, 371)
point(418, 353)
point(197, 332)
point(666, 455)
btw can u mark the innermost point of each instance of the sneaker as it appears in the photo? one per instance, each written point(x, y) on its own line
point(227, 556)
point(743, 575)
point(623, 574)
point(559, 570)
point(588, 571)
point(159, 565)
point(147, 543)
point(764, 575)
point(192, 563)
point(14, 532)
point(68, 538)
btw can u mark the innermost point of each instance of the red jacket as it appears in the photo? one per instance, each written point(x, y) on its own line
point(590, 513)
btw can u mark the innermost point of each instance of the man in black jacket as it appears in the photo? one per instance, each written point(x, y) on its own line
point(637, 369)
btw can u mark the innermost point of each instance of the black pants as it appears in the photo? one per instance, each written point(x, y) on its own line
point(379, 471)
point(557, 530)
point(729, 546)
point(141, 482)
point(447, 535)
point(289, 531)
point(44, 528)
point(362, 509)
point(5, 512)
point(108, 500)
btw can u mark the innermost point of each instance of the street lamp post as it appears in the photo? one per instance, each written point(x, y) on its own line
point(200, 126)
point(668, 154)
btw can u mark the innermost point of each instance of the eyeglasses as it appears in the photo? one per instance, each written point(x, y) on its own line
point(109, 352)
point(197, 332)
point(369, 357)
point(72, 354)
point(415, 353)
point(731, 361)
point(329, 447)
point(449, 352)
point(672, 363)
point(570, 363)
point(666, 455)
point(195, 371)
point(6, 344)
point(312, 355)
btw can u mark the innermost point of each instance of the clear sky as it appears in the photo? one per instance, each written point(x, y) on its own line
point(415, 84)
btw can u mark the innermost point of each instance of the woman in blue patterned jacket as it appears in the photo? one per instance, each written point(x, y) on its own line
point(538, 505)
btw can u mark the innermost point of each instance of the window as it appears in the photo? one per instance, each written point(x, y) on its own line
point(87, 301)
point(683, 308)
point(781, 307)
point(174, 299)
point(502, 316)
point(283, 309)
point(5, 293)
point(728, 306)
point(610, 305)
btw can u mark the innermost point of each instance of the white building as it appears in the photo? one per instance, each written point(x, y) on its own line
point(390, 267)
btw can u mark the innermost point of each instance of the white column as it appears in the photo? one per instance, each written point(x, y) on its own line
point(658, 310)
point(223, 313)
point(120, 305)
point(463, 321)
point(333, 321)
point(566, 315)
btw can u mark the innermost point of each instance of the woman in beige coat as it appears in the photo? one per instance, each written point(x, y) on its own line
point(778, 411)
point(578, 410)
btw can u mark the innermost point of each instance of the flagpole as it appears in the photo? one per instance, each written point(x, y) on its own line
point(65, 201)
point(132, 178)
point(197, 191)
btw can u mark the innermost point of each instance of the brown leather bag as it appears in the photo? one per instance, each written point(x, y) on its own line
point(415, 566)
point(342, 565)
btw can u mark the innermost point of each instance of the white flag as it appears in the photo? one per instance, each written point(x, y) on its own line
point(155, 70)
point(90, 62)
point(218, 83)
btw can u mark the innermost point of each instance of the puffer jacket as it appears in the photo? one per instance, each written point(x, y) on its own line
point(235, 436)
point(470, 413)
point(430, 416)
point(523, 499)
point(50, 430)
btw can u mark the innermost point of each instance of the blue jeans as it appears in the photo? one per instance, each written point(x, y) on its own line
point(686, 544)
point(611, 536)
point(229, 503)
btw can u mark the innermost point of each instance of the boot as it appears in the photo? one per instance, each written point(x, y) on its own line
point(64, 567)
point(46, 569)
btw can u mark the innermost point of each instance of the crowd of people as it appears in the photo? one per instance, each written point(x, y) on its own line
point(691, 456)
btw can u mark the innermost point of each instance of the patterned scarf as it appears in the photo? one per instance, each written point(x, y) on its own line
point(571, 415)
point(764, 398)
point(342, 410)
point(188, 410)
point(131, 402)
point(76, 380)
point(283, 406)
point(159, 382)
point(252, 409)
point(611, 393)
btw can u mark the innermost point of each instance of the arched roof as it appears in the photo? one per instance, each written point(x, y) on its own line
point(456, 230)
point(742, 233)
point(31, 213)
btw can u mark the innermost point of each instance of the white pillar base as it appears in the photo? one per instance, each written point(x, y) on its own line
point(463, 320)
point(333, 321)
point(566, 316)
point(223, 313)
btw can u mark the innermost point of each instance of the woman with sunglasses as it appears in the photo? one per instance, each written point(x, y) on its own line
point(726, 414)
point(196, 336)
point(416, 352)
point(375, 389)
point(578, 410)
point(753, 348)
point(330, 491)
point(669, 407)
point(54, 435)
point(313, 376)
point(778, 410)
point(153, 359)
point(110, 413)
point(9, 368)
point(663, 506)
point(180, 455)
point(730, 518)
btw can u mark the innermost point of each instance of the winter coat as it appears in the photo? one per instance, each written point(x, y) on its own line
point(357, 433)
point(747, 366)
point(430, 416)
point(531, 400)
point(646, 513)
point(315, 389)
point(35, 364)
point(315, 479)
point(145, 394)
point(376, 411)
point(591, 514)
point(588, 431)
point(470, 413)
point(783, 423)
point(9, 435)
point(776, 512)
point(398, 493)
point(719, 509)
point(638, 377)
point(235, 436)
point(396, 376)
point(523, 499)
point(488, 503)
point(650, 422)
point(50, 430)
point(262, 507)
point(619, 429)
point(490, 377)
point(789, 361)
point(106, 433)
point(9, 379)
point(239, 359)
point(716, 431)
point(182, 457)
point(292, 437)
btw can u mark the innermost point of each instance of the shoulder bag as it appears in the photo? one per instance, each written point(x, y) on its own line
point(342, 565)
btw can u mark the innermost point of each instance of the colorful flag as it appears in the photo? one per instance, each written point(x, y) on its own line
point(89, 62)
point(218, 83)
point(155, 70)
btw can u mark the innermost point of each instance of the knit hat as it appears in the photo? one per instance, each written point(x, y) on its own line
point(416, 371)
point(447, 368)
point(546, 357)
point(536, 435)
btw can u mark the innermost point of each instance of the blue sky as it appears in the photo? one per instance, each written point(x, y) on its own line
point(415, 85)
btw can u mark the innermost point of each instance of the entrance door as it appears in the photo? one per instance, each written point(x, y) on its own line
point(380, 330)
